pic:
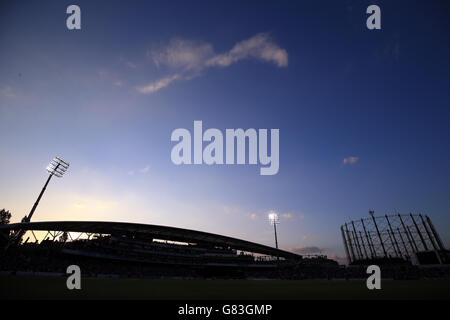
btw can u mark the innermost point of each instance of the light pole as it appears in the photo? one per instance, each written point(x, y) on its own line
point(57, 167)
point(273, 218)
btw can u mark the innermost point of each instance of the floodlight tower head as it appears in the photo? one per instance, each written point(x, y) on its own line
point(273, 218)
point(57, 167)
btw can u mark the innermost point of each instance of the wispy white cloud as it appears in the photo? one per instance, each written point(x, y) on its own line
point(287, 215)
point(145, 169)
point(131, 65)
point(240, 212)
point(187, 59)
point(128, 63)
point(7, 91)
point(182, 54)
point(350, 160)
point(260, 47)
point(159, 84)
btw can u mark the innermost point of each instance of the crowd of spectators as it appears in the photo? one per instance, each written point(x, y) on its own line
point(100, 257)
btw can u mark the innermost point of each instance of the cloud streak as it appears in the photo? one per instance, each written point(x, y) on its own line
point(184, 55)
point(350, 160)
point(259, 47)
point(145, 169)
point(287, 215)
point(7, 91)
point(157, 85)
point(188, 59)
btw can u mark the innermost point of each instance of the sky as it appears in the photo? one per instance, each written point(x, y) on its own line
point(363, 115)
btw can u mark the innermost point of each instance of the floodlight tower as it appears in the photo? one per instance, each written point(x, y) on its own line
point(273, 218)
point(57, 167)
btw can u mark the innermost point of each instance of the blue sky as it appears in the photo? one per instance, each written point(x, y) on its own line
point(363, 115)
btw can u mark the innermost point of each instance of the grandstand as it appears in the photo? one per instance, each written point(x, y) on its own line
point(129, 249)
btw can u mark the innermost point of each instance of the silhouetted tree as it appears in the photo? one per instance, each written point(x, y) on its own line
point(5, 216)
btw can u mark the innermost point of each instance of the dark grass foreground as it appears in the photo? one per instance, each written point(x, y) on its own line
point(26, 287)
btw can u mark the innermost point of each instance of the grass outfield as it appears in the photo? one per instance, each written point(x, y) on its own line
point(27, 287)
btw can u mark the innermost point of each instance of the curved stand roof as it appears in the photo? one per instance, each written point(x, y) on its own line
point(152, 231)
